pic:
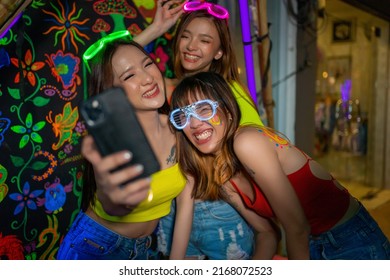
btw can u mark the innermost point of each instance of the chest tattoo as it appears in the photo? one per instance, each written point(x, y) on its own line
point(171, 159)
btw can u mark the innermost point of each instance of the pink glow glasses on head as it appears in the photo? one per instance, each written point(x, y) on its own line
point(213, 9)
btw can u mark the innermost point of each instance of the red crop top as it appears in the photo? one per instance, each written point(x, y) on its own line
point(323, 202)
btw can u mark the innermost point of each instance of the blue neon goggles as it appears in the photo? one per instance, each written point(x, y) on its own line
point(203, 110)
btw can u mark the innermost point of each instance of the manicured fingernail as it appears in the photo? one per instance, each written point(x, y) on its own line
point(139, 167)
point(127, 155)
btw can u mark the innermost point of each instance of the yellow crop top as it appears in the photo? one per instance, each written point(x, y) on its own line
point(249, 113)
point(166, 185)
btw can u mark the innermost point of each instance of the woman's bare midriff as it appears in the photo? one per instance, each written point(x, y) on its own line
point(129, 230)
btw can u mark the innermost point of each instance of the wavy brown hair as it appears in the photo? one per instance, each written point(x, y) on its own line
point(227, 65)
point(212, 170)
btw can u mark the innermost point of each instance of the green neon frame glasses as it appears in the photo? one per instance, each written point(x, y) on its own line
point(99, 45)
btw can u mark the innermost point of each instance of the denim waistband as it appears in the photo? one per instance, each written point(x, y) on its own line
point(200, 205)
point(361, 218)
point(87, 223)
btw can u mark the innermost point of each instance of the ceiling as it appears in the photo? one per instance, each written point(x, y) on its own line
point(380, 8)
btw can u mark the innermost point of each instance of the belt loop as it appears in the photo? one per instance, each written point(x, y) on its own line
point(331, 239)
point(365, 217)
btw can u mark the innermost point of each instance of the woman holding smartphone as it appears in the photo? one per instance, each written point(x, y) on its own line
point(202, 42)
point(117, 217)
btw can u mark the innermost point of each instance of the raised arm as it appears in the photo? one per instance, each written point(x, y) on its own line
point(167, 14)
point(260, 158)
point(183, 222)
point(117, 198)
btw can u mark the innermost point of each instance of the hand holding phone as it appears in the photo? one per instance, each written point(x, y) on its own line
point(111, 120)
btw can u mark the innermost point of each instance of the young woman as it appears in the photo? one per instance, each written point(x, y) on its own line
point(320, 218)
point(203, 42)
point(118, 218)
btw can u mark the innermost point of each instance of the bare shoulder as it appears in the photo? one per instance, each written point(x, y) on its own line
point(246, 140)
point(246, 130)
point(250, 138)
point(262, 132)
point(248, 135)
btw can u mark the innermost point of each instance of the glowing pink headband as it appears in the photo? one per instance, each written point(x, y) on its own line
point(213, 9)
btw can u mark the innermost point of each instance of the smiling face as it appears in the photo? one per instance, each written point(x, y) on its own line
point(139, 76)
point(206, 135)
point(199, 45)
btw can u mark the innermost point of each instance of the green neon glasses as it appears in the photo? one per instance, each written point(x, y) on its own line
point(99, 45)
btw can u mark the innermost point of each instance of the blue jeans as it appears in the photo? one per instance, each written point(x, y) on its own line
point(218, 233)
point(88, 240)
point(359, 238)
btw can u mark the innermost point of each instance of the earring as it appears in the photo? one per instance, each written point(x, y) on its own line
point(219, 55)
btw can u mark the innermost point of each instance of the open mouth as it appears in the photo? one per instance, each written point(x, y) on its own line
point(204, 135)
point(190, 57)
point(151, 93)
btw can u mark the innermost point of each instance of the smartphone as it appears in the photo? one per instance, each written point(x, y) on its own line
point(111, 120)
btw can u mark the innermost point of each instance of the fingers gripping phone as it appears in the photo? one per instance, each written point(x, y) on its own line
point(111, 120)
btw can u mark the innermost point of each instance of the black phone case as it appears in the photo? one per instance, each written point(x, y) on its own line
point(111, 120)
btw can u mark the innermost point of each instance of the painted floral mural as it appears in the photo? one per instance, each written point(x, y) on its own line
point(42, 81)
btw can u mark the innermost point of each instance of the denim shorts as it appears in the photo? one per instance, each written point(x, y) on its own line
point(218, 233)
point(88, 240)
point(359, 238)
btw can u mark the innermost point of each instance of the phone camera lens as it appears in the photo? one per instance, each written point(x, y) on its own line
point(94, 111)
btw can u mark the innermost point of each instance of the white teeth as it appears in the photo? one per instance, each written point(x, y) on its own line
point(191, 56)
point(203, 135)
point(151, 92)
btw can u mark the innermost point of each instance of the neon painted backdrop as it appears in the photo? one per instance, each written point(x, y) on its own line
point(42, 81)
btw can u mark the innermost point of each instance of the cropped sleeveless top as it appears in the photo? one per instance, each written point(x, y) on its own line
point(323, 203)
point(165, 185)
point(249, 113)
